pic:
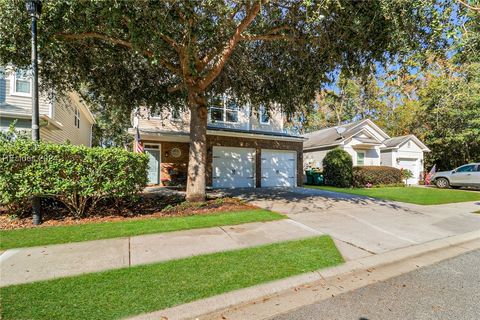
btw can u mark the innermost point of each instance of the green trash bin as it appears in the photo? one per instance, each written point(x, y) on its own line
point(317, 178)
point(309, 175)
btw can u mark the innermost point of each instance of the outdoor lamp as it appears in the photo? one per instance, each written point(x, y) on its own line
point(34, 7)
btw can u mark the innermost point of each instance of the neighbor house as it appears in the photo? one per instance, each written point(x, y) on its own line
point(62, 118)
point(245, 147)
point(368, 145)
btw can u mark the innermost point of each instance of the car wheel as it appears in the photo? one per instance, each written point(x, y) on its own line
point(442, 183)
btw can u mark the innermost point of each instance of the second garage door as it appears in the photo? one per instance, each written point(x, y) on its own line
point(233, 167)
point(278, 168)
point(413, 166)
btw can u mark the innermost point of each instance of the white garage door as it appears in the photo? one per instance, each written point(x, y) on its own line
point(233, 167)
point(413, 166)
point(278, 168)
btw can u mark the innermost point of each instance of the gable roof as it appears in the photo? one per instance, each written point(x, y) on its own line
point(331, 137)
point(396, 142)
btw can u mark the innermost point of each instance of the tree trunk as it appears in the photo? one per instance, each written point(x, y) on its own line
point(197, 157)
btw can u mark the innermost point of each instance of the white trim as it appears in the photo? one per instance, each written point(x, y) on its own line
point(169, 136)
point(370, 122)
point(356, 157)
point(261, 110)
point(91, 135)
point(224, 110)
point(324, 146)
point(253, 135)
point(13, 86)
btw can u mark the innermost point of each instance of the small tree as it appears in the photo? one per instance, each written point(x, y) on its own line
point(338, 168)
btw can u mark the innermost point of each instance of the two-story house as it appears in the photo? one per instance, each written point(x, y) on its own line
point(62, 118)
point(245, 147)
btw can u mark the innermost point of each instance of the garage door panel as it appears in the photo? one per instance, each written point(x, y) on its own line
point(278, 168)
point(413, 166)
point(233, 167)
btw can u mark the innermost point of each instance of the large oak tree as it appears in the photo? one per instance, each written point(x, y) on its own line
point(177, 53)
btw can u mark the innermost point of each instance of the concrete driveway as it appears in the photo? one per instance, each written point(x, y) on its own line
point(363, 226)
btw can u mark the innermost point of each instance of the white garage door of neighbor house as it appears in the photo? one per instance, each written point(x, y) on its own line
point(233, 167)
point(413, 166)
point(278, 168)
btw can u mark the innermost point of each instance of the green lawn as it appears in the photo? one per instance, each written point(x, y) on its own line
point(126, 292)
point(93, 231)
point(417, 195)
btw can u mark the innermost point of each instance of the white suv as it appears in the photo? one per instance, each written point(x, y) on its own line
point(467, 175)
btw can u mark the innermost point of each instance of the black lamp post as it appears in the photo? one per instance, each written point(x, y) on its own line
point(34, 8)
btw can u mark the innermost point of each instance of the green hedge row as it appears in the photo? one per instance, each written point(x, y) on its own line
point(376, 175)
point(77, 176)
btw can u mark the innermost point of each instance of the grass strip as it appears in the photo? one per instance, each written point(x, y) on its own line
point(415, 195)
point(126, 292)
point(31, 237)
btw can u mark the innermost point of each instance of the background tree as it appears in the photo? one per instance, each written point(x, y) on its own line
point(171, 53)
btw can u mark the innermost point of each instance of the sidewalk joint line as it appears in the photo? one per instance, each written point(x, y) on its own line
point(129, 253)
point(228, 235)
point(356, 246)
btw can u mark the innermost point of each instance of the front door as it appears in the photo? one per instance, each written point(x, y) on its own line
point(153, 165)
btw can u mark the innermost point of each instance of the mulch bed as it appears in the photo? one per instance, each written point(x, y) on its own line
point(148, 206)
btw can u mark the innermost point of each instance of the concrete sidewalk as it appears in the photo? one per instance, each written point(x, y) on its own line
point(54, 261)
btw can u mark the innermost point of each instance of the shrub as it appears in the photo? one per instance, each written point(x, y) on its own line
point(376, 175)
point(77, 176)
point(406, 174)
point(337, 168)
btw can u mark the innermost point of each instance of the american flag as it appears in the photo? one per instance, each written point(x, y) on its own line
point(138, 143)
point(428, 178)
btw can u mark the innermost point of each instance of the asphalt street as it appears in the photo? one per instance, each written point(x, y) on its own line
point(447, 290)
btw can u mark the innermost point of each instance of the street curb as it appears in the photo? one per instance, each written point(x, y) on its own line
point(214, 304)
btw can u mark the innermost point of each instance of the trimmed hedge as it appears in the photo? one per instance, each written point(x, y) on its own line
point(376, 175)
point(337, 168)
point(77, 176)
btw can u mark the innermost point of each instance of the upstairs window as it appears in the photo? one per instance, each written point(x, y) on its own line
point(77, 118)
point(223, 110)
point(21, 84)
point(263, 115)
point(175, 115)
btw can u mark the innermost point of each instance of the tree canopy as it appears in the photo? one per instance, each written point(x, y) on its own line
point(165, 54)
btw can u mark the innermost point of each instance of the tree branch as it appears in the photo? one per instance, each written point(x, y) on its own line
point(113, 40)
point(476, 9)
point(230, 46)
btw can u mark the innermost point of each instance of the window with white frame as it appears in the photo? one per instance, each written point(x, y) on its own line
point(77, 118)
point(223, 109)
point(264, 115)
point(21, 84)
point(360, 158)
